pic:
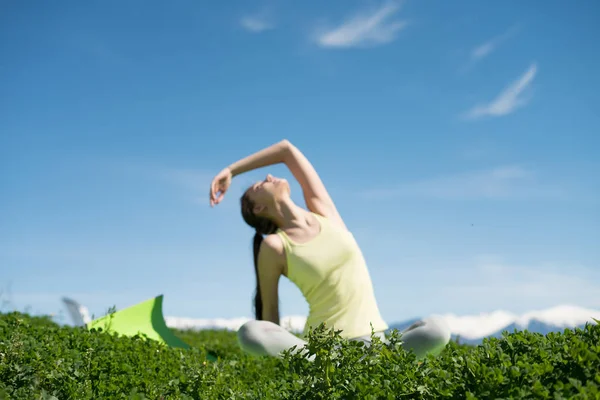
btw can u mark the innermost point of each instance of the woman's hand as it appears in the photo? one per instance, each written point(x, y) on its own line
point(219, 186)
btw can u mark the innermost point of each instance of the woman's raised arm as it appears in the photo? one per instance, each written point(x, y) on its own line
point(316, 196)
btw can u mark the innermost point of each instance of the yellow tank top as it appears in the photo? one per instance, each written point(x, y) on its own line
point(332, 274)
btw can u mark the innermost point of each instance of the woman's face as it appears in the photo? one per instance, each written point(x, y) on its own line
point(269, 190)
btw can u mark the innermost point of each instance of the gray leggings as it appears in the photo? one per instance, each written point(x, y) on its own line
point(264, 338)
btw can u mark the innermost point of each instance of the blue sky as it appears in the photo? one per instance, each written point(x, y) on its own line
point(458, 139)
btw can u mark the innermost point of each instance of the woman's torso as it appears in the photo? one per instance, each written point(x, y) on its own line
point(331, 273)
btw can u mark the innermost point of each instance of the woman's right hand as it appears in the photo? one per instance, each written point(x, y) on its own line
point(219, 186)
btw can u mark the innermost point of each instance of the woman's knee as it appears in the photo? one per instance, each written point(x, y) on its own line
point(263, 338)
point(439, 332)
point(427, 336)
point(250, 338)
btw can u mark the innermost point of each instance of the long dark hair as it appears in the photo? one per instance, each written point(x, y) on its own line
point(263, 226)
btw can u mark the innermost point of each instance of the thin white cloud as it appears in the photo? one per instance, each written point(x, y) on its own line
point(257, 23)
point(504, 182)
point(364, 29)
point(191, 180)
point(498, 284)
point(485, 49)
point(194, 184)
point(509, 100)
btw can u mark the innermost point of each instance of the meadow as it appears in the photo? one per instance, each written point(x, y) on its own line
point(42, 360)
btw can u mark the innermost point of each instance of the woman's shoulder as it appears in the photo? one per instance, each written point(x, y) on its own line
point(273, 243)
point(334, 219)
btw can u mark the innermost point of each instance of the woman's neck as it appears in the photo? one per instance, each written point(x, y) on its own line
point(288, 215)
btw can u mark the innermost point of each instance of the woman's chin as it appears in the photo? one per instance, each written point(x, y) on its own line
point(284, 191)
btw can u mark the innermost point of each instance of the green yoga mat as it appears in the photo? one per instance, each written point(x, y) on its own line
point(142, 318)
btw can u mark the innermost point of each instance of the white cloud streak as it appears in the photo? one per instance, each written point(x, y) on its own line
point(364, 29)
point(509, 100)
point(485, 49)
point(504, 182)
point(257, 23)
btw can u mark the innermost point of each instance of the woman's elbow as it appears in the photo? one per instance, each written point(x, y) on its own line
point(286, 145)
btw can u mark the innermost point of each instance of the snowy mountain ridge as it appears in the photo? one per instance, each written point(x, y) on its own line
point(485, 324)
point(470, 328)
point(467, 326)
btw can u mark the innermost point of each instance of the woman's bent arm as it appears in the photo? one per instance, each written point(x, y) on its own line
point(315, 194)
point(274, 154)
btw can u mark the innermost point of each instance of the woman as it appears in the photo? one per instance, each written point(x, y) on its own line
point(314, 249)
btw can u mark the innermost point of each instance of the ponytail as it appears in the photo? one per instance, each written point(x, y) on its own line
point(258, 307)
point(263, 226)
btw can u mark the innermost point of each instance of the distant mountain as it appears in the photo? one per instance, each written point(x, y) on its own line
point(534, 326)
point(470, 329)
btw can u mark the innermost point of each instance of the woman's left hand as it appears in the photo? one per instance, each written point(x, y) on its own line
point(219, 186)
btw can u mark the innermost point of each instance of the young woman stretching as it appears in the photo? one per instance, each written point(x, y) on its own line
point(313, 249)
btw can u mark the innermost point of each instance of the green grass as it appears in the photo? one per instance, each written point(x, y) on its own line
point(40, 360)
